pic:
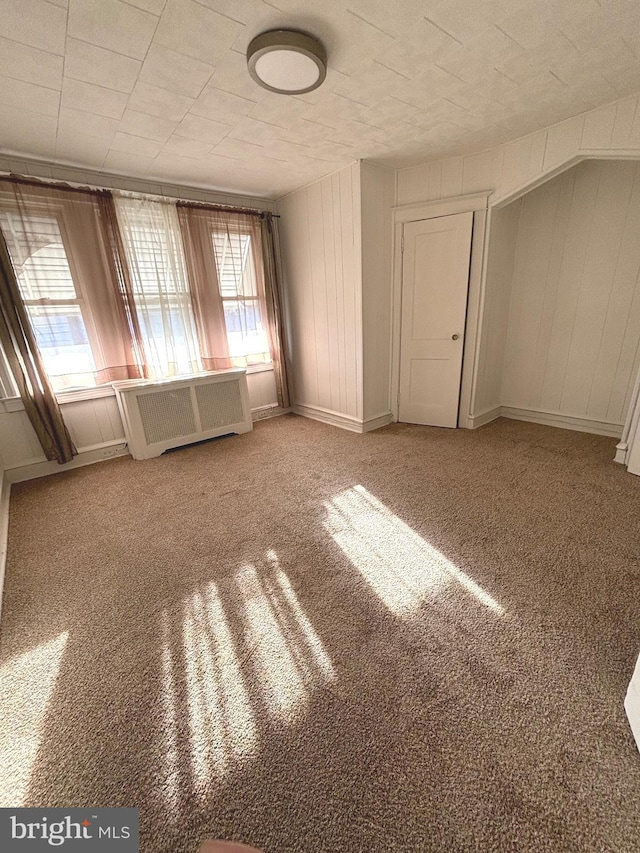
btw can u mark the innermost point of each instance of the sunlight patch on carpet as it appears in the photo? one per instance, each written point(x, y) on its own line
point(401, 567)
point(169, 729)
point(288, 656)
point(26, 686)
point(221, 720)
point(238, 648)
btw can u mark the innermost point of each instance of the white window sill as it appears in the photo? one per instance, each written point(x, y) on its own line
point(259, 368)
point(15, 404)
point(77, 394)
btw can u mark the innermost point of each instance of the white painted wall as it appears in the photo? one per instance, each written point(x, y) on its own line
point(90, 422)
point(5, 490)
point(501, 255)
point(336, 248)
point(574, 316)
point(262, 390)
point(95, 425)
point(377, 189)
point(321, 251)
point(611, 130)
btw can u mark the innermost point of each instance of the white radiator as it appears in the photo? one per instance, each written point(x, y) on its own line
point(170, 413)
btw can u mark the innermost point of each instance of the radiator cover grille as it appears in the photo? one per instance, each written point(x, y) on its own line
point(167, 414)
point(219, 404)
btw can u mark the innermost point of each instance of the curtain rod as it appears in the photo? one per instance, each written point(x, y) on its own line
point(203, 205)
point(62, 185)
point(53, 185)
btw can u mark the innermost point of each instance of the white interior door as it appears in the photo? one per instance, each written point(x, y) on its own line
point(435, 280)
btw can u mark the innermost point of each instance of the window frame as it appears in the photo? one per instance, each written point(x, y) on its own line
point(57, 212)
point(250, 258)
point(143, 251)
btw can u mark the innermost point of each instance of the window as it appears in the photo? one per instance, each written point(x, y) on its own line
point(55, 305)
point(160, 289)
point(248, 343)
point(174, 312)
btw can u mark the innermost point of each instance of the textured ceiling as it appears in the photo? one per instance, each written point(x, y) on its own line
point(159, 88)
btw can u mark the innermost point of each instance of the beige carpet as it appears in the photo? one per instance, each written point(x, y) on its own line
point(310, 640)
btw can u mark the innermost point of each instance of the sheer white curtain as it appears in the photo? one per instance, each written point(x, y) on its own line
point(151, 236)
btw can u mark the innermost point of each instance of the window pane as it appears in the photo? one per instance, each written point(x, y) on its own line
point(62, 339)
point(37, 251)
point(234, 263)
point(152, 240)
point(245, 332)
point(168, 335)
point(153, 258)
point(247, 337)
point(42, 270)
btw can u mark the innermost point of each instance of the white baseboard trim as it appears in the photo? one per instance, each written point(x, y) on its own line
point(86, 456)
point(622, 447)
point(273, 410)
point(475, 421)
point(377, 421)
point(556, 419)
point(5, 495)
point(327, 416)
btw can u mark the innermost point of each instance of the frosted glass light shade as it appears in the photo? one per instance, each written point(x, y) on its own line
point(287, 62)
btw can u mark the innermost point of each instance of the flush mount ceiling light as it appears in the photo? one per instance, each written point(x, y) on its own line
point(287, 62)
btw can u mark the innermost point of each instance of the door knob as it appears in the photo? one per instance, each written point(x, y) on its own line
point(454, 337)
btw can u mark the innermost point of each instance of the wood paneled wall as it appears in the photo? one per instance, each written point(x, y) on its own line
point(322, 257)
point(574, 317)
point(495, 314)
point(336, 246)
point(90, 422)
point(377, 187)
point(613, 129)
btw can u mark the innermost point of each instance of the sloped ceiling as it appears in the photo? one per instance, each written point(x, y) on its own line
point(159, 88)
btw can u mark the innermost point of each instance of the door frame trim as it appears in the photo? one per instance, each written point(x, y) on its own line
point(476, 203)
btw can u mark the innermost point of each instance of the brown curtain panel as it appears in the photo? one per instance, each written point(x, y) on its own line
point(196, 227)
point(19, 344)
point(275, 307)
point(214, 240)
point(120, 281)
point(63, 243)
